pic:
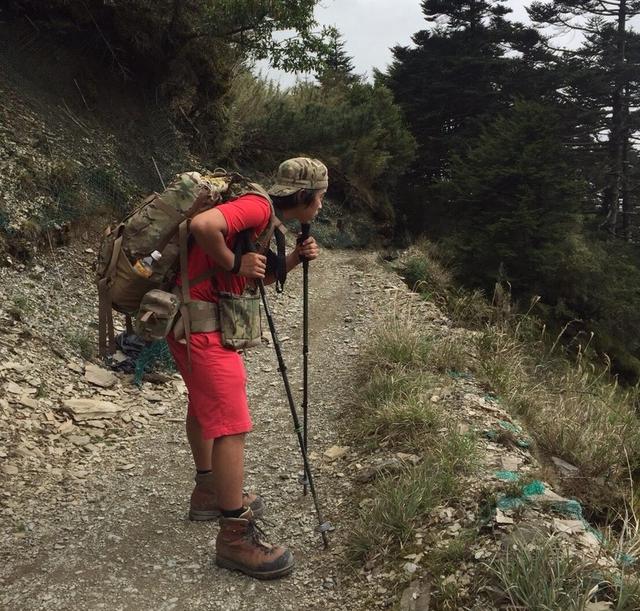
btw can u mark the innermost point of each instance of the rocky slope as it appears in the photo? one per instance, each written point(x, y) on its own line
point(75, 140)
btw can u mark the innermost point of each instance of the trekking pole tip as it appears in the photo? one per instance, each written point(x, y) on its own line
point(303, 480)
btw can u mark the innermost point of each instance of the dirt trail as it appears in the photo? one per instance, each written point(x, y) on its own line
point(116, 536)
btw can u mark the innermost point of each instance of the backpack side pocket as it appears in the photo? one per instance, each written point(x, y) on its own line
point(240, 324)
point(157, 313)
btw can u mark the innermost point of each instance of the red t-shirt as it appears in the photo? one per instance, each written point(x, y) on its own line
point(246, 212)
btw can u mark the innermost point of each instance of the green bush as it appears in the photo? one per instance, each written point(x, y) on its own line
point(354, 127)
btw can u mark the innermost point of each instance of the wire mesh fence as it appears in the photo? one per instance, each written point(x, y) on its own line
point(78, 141)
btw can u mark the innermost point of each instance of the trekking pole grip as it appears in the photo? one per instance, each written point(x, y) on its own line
point(305, 232)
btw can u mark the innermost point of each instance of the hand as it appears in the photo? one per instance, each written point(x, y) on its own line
point(308, 250)
point(253, 265)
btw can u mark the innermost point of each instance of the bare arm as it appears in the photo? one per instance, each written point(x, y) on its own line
point(209, 229)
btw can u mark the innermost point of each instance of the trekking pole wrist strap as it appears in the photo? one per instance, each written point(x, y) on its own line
point(237, 261)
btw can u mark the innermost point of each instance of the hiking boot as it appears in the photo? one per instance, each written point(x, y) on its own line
point(239, 547)
point(204, 501)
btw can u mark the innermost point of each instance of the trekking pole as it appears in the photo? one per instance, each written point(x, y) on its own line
point(306, 229)
point(323, 526)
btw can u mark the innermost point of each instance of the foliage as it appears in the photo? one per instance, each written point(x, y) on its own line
point(252, 26)
point(457, 75)
point(610, 54)
point(355, 128)
point(516, 183)
point(186, 50)
point(337, 67)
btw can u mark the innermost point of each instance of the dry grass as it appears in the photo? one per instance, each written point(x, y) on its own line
point(572, 410)
point(542, 573)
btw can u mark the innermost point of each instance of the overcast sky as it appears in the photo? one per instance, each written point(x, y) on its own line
point(371, 27)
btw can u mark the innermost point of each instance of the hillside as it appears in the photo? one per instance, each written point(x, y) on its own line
point(76, 142)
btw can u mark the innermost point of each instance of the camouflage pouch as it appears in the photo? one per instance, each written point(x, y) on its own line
point(240, 324)
point(156, 315)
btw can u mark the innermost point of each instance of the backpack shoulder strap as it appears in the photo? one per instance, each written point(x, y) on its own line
point(264, 239)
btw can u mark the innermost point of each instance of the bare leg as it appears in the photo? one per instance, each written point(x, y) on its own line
point(228, 469)
point(201, 449)
point(225, 458)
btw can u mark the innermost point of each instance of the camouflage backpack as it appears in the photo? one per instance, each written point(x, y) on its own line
point(161, 223)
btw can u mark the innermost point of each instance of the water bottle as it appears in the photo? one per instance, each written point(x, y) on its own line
point(144, 266)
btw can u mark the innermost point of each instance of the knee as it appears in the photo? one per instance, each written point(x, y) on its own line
point(232, 439)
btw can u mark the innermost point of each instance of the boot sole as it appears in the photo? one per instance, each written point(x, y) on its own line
point(203, 515)
point(232, 566)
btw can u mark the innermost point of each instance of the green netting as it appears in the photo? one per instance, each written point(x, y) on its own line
point(519, 438)
point(568, 507)
point(507, 476)
point(457, 375)
point(534, 488)
point(509, 502)
point(154, 357)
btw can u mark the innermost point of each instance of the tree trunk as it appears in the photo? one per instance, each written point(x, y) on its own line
point(617, 131)
point(626, 171)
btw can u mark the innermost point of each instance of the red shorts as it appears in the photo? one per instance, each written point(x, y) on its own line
point(217, 385)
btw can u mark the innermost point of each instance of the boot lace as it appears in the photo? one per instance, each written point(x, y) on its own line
point(254, 532)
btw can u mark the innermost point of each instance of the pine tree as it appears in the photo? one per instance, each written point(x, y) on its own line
point(337, 66)
point(516, 200)
point(458, 77)
point(606, 24)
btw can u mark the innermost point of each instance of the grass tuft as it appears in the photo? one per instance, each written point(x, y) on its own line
point(401, 502)
point(542, 573)
point(84, 343)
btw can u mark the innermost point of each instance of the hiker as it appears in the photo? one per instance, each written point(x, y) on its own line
point(218, 414)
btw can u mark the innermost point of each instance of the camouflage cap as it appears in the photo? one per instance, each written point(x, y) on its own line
point(300, 173)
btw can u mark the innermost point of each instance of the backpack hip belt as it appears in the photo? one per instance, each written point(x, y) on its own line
point(203, 317)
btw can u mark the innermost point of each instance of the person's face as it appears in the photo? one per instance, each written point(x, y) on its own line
point(309, 212)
